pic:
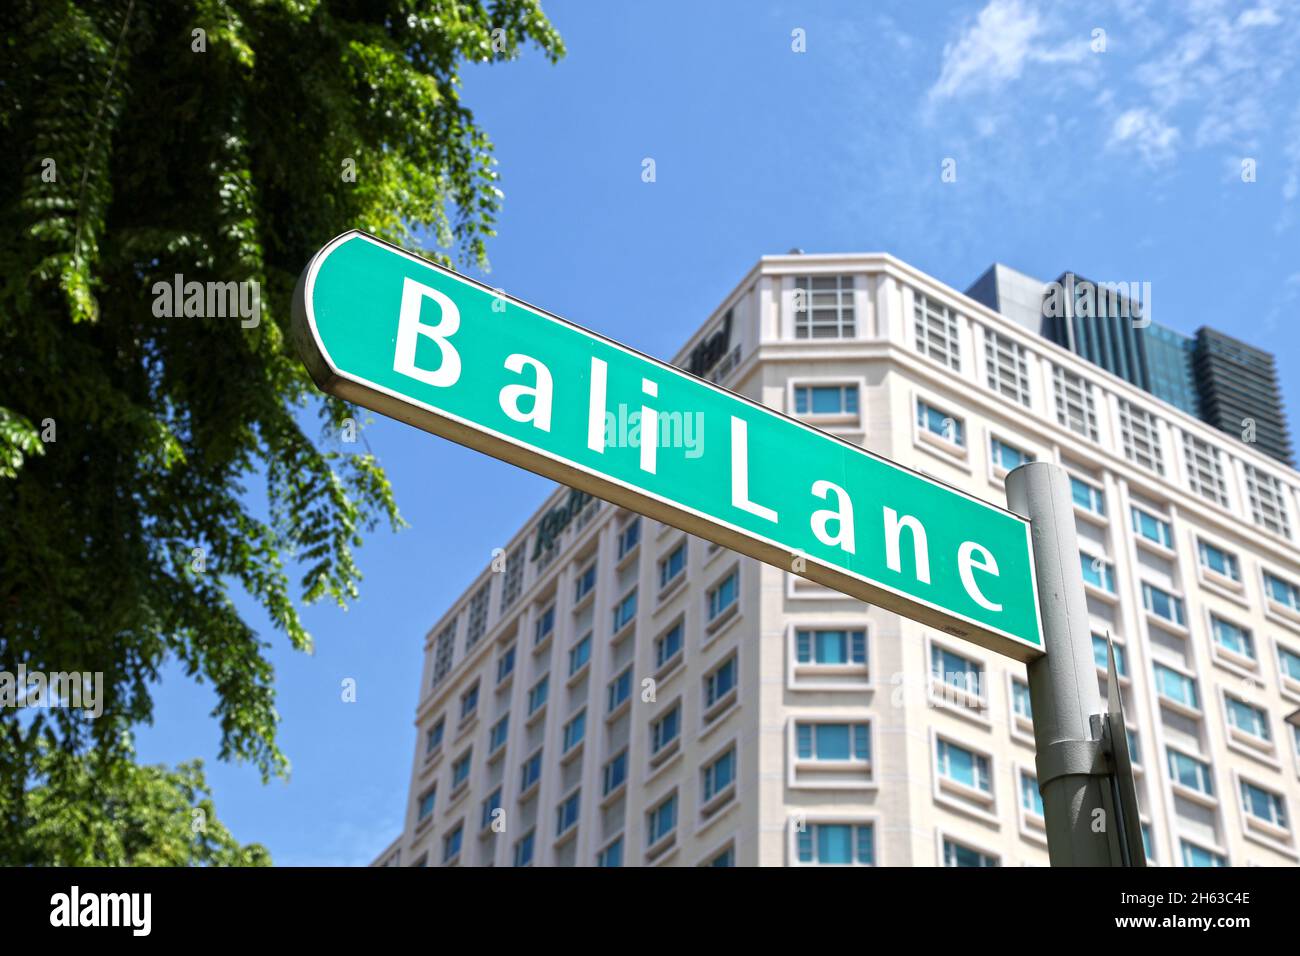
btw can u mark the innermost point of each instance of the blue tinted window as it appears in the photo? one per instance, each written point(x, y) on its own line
point(938, 423)
point(612, 855)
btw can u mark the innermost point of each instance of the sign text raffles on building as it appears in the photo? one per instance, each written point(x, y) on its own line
point(390, 331)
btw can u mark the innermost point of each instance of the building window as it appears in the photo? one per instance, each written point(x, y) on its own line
point(1283, 592)
point(662, 821)
point(1134, 748)
point(940, 423)
point(586, 583)
point(724, 594)
point(963, 766)
point(1098, 572)
point(1007, 457)
point(478, 615)
point(574, 730)
point(506, 664)
point(672, 565)
point(469, 703)
point(497, 736)
point(537, 695)
point(1264, 805)
point(1030, 799)
point(619, 688)
point(726, 858)
point(825, 741)
point(1008, 372)
point(1162, 604)
point(1204, 469)
point(1140, 433)
point(1194, 855)
point(566, 814)
point(836, 844)
point(427, 801)
point(936, 332)
point(629, 537)
point(625, 611)
point(490, 806)
point(1146, 842)
point(1288, 663)
point(1020, 700)
point(433, 739)
point(531, 772)
point(1221, 562)
point(451, 843)
point(579, 654)
point(512, 581)
point(666, 729)
point(1176, 687)
point(953, 670)
point(955, 854)
point(823, 307)
point(1267, 501)
point(460, 769)
point(524, 848)
point(612, 855)
point(614, 772)
point(1190, 772)
point(1232, 637)
point(1087, 496)
point(1247, 718)
point(1152, 528)
point(1102, 660)
point(831, 647)
point(720, 682)
point(545, 625)
point(444, 653)
point(669, 644)
point(1074, 405)
point(719, 775)
point(826, 400)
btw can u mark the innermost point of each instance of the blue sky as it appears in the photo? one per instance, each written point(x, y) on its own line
point(1123, 165)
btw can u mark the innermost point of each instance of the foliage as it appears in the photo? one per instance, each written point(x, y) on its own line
point(210, 140)
point(141, 816)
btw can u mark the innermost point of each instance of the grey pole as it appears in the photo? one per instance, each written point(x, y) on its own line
point(1063, 689)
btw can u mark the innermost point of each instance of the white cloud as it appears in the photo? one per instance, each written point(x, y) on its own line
point(1145, 132)
point(1005, 37)
point(1259, 17)
point(1219, 73)
point(1176, 76)
point(889, 28)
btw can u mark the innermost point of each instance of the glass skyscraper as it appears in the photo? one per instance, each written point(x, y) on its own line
point(1231, 385)
point(1167, 356)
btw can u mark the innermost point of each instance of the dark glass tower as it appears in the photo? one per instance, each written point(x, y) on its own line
point(1225, 382)
point(1109, 329)
point(1239, 391)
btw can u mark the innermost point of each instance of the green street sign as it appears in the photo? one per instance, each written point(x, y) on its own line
point(392, 332)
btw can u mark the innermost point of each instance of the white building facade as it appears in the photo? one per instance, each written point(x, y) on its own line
point(612, 691)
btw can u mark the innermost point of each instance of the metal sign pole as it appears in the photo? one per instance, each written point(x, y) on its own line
point(1123, 786)
point(1073, 769)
